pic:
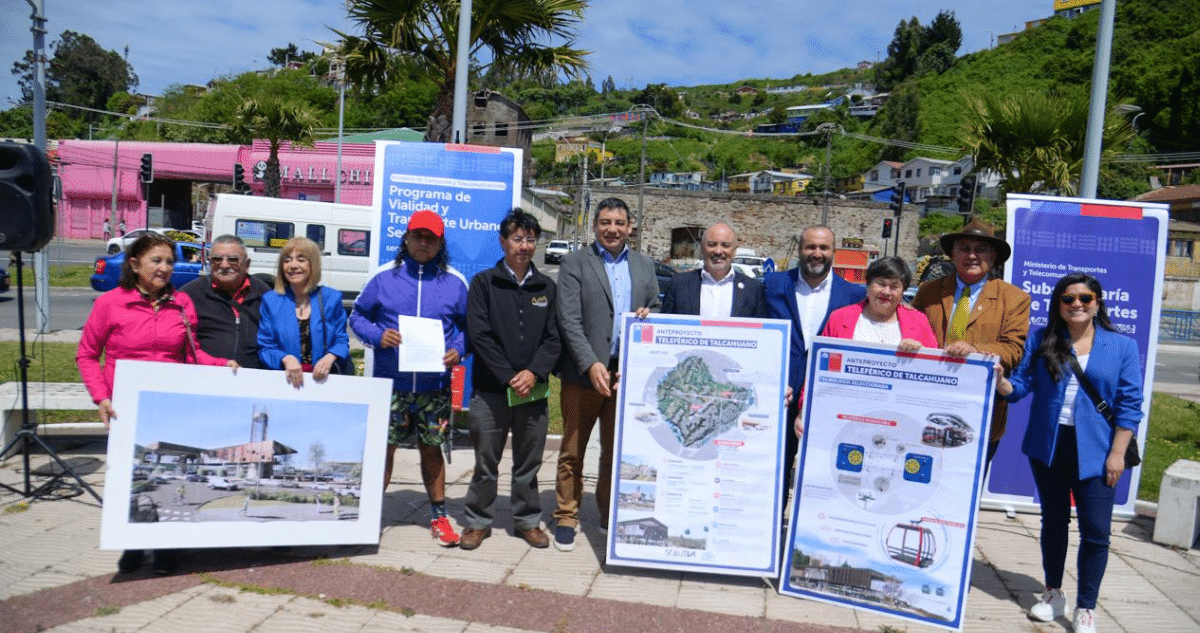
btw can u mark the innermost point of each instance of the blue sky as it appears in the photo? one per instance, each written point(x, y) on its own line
point(670, 41)
point(218, 422)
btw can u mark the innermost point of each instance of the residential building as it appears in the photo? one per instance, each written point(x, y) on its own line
point(769, 182)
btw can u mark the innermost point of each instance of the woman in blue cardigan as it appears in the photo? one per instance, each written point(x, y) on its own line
point(303, 324)
point(1071, 447)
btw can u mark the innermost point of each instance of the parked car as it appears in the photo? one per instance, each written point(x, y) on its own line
point(189, 264)
point(195, 478)
point(749, 265)
point(119, 243)
point(555, 251)
point(5, 282)
point(221, 483)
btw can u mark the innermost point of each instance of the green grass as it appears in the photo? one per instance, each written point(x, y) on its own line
point(70, 276)
point(49, 362)
point(1173, 435)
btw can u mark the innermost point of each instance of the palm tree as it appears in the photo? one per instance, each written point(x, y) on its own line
point(275, 120)
point(1035, 141)
point(423, 36)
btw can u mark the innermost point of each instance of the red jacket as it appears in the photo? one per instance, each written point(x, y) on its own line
point(124, 325)
point(913, 324)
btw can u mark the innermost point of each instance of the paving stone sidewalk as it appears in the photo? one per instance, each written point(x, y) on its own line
point(54, 577)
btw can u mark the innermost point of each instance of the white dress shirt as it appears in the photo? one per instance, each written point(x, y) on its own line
point(716, 296)
point(812, 304)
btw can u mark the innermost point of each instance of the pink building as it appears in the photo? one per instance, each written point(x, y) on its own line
point(88, 169)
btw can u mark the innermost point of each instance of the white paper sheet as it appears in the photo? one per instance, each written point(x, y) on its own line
point(422, 344)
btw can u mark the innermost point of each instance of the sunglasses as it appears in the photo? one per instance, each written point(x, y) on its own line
point(1084, 299)
point(231, 260)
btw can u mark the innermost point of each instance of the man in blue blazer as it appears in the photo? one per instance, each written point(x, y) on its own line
point(716, 290)
point(806, 295)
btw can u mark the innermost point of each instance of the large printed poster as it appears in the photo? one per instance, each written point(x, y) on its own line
point(1123, 245)
point(472, 187)
point(891, 466)
point(202, 457)
point(699, 444)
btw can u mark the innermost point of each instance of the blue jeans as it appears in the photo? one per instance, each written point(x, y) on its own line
point(1093, 506)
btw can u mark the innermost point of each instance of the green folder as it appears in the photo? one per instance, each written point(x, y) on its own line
point(539, 392)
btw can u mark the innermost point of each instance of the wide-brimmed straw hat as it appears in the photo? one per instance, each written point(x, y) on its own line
point(982, 231)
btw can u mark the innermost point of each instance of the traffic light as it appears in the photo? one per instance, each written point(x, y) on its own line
point(897, 198)
point(147, 168)
point(887, 228)
point(239, 178)
point(966, 195)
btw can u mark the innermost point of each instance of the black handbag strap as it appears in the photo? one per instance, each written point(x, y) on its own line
point(324, 326)
point(1086, 384)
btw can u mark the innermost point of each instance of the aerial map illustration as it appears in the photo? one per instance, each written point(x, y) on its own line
point(696, 406)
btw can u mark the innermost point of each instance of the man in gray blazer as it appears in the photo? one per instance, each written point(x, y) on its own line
point(595, 285)
point(717, 290)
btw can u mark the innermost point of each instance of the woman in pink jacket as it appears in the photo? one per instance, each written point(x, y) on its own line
point(882, 317)
point(143, 318)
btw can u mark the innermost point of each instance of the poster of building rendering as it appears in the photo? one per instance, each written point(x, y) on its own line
point(699, 445)
point(202, 457)
point(892, 462)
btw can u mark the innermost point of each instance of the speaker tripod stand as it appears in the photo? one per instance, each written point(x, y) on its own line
point(27, 437)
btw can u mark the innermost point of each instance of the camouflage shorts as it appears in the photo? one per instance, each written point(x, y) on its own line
point(426, 414)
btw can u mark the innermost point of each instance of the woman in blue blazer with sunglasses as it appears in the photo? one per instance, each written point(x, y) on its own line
point(1072, 448)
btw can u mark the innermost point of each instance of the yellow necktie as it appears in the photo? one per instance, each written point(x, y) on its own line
point(962, 314)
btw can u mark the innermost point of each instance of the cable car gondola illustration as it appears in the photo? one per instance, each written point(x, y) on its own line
point(911, 544)
point(946, 430)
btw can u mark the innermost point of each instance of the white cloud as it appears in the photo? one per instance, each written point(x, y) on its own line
point(672, 41)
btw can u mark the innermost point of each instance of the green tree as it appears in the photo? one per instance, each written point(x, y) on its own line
point(290, 53)
point(275, 120)
point(1035, 141)
point(917, 49)
point(80, 73)
point(423, 35)
point(899, 119)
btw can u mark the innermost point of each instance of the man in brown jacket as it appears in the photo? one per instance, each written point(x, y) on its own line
point(972, 311)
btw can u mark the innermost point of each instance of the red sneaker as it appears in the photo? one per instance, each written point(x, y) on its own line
point(442, 532)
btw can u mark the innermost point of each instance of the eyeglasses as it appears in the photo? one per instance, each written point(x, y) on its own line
point(1084, 299)
point(523, 240)
point(233, 261)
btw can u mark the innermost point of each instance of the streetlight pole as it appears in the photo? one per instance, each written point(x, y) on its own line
point(341, 79)
point(40, 263)
point(458, 132)
point(1090, 176)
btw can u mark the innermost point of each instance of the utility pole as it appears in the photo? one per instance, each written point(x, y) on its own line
point(828, 129)
point(645, 110)
point(116, 175)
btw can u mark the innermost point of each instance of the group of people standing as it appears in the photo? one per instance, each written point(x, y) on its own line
point(521, 327)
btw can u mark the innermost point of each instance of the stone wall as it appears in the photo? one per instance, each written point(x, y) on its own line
point(765, 223)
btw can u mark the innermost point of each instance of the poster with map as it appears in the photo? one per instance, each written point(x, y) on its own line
point(891, 473)
point(699, 445)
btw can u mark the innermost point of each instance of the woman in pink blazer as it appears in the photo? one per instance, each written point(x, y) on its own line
point(143, 318)
point(882, 317)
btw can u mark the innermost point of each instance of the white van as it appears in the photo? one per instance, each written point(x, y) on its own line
point(342, 231)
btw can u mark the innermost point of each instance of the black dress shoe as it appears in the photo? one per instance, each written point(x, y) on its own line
point(131, 560)
point(164, 562)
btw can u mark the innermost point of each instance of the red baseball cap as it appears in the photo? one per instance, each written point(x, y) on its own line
point(429, 220)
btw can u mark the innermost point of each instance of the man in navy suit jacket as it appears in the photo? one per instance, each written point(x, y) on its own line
point(806, 295)
point(717, 290)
